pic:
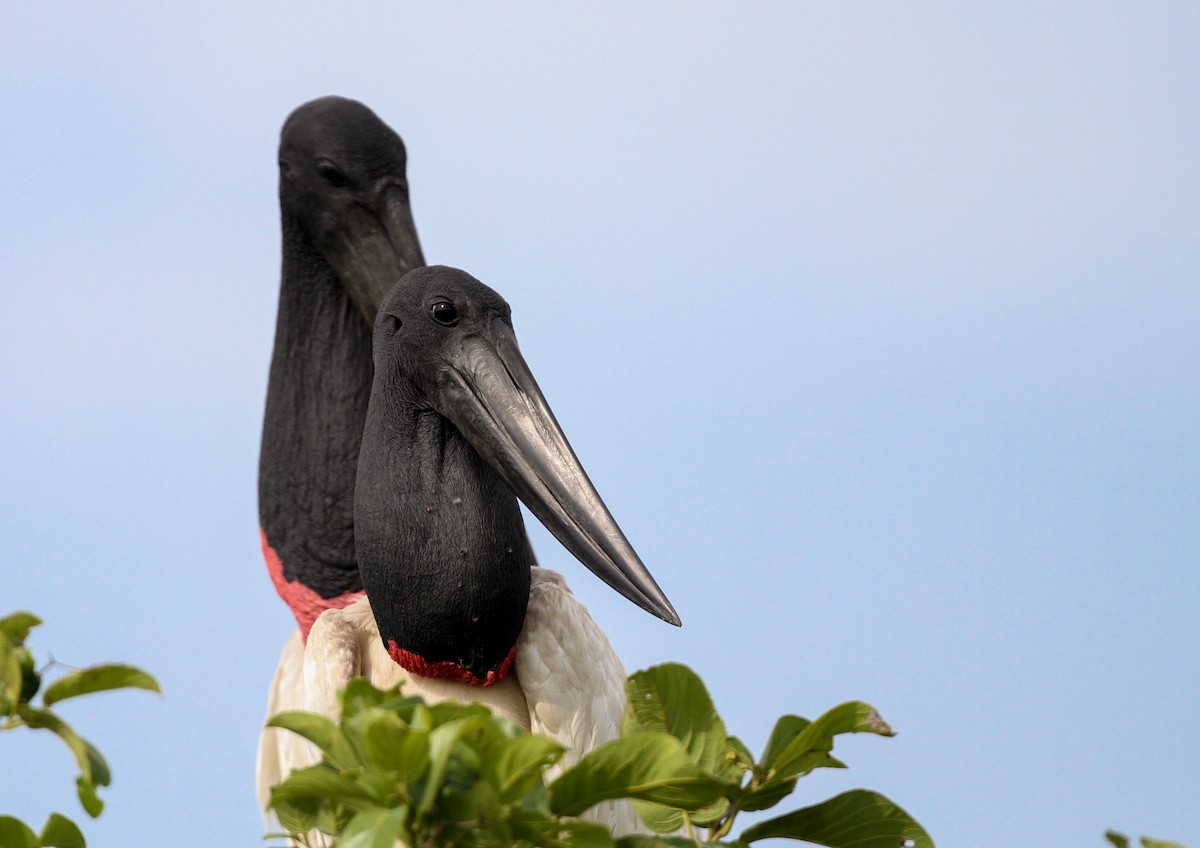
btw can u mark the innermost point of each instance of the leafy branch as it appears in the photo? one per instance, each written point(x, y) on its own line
point(20, 683)
point(395, 768)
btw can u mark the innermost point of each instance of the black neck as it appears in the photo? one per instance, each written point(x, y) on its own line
point(317, 398)
point(441, 543)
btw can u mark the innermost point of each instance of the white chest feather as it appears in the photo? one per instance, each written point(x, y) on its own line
point(567, 683)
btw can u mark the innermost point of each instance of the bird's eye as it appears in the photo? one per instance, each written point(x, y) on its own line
point(444, 313)
point(331, 174)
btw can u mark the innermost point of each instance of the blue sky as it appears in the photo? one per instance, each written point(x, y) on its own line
point(875, 326)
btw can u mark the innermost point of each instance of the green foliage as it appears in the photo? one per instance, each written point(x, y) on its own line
point(1120, 840)
point(20, 682)
point(451, 774)
point(795, 748)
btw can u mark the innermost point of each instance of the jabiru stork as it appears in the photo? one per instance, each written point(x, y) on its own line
point(348, 235)
point(457, 430)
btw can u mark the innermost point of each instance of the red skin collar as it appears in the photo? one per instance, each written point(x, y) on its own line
point(307, 605)
point(447, 670)
point(304, 603)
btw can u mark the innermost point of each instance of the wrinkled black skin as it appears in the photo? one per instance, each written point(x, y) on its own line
point(321, 371)
point(441, 541)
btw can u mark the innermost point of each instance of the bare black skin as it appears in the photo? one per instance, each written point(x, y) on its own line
point(456, 431)
point(348, 236)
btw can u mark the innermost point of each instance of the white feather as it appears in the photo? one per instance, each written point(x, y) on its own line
point(574, 684)
point(567, 683)
point(280, 752)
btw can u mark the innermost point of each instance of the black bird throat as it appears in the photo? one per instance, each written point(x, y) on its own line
point(442, 548)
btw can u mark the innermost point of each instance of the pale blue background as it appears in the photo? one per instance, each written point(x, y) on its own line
point(875, 324)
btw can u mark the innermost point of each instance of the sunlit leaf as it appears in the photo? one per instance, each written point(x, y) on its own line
point(783, 779)
point(11, 677)
point(851, 717)
point(98, 678)
point(315, 728)
point(670, 698)
point(60, 832)
point(516, 764)
point(658, 818)
point(360, 694)
point(375, 828)
point(787, 728)
point(1147, 842)
point(16, 626)
point(579, 834)
point(651, 766)
point(390, 745)
point(640, 841)
point(855, 819)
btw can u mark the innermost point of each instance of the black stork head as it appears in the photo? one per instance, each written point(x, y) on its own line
point(457, 425)
point(348, 236)
point(343, 190)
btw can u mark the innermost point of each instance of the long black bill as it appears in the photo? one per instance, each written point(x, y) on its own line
point(375, 249)
point(494, 401)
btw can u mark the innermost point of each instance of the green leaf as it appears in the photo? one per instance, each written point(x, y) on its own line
point(17, 625)
point(786, 729)
point(12, 678)
point(301, 799)
point(98, 678)
point(31, 680)
point(767, 795)
point(514, 765)
point(639, 841)
point(93, 770)
point(743, 758)
point(61, 832)
point(670, 698)
point(1147, 842)
point(374, 828)
point(851, 717)
point(442, 740)
point(315, 728)
point(360, 694)
point(319, 782)
point(97, 766)
point(857, 818)
point(651, 766)
point(658, 818)
point(478, 808)
point(391, 746)
point(579, 834)
point(550, 833)
point(86, 790)
point(1118, 839)
point(14, 833)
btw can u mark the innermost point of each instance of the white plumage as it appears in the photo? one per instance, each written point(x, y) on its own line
point(280, 751)
point(567, 683)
